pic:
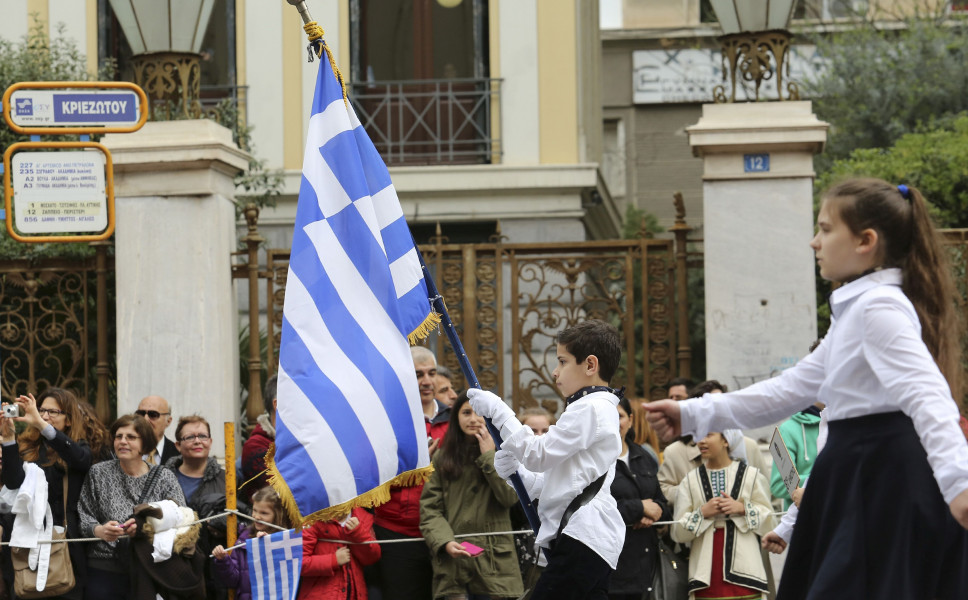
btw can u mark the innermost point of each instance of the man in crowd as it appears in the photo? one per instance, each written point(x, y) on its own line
point(158, 413)
point(405, 571)
point(445, 389)
point(679, 388)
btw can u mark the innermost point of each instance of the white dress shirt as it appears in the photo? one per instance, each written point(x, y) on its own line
point(871, 361)
point(557, 466)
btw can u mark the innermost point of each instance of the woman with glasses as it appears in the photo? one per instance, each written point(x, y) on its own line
point(203, 482)
point(54, 440)
point(112, 489)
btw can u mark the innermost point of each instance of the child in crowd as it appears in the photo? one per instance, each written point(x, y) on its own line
point(465, 495)
point(722, 507)
point(570, 469)
point(232, 566)
point(333, 571)
point(538, 419)
point(881, 517)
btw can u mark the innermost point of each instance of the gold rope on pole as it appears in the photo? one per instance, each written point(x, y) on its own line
point(317, 43)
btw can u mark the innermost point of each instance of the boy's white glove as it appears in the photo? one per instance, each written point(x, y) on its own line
point(490, 406)
point(505, 464)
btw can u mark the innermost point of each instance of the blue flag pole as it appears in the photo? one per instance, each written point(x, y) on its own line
point(437, 302)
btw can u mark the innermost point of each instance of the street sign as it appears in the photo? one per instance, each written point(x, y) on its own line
point(59, 192)
point(49, 194)
point(56, 107)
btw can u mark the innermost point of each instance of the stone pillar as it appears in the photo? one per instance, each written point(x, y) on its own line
point(761, 309)
point(177, 316)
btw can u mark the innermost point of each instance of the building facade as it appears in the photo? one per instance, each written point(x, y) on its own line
point(487, 111)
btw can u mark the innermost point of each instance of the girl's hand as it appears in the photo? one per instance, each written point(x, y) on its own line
point(31, 414)
point(484, 440)
point(711, 508)
point(109, 532)
point(664, 416)
point(433, 447)
point(651, 510)
point(219, 553)
point(261, 533)
point(959, 508)
point(797, 496)
point(728, 506)
point(455, 550)
point(351, 524)
point(342, 556)
point(773, 543)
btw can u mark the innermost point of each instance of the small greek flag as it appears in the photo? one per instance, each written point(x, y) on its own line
point(349, 421)
point(274, 564)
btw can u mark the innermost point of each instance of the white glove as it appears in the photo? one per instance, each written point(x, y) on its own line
point(490, 406)
point(505, 464)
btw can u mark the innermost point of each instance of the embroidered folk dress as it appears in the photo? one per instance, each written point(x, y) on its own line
point(725, 560)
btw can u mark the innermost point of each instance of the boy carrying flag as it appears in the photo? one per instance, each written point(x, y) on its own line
point(570, 468)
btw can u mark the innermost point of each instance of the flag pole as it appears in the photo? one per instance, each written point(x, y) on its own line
point(437, 302)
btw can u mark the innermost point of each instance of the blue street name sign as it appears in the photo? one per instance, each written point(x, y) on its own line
point(62, 108)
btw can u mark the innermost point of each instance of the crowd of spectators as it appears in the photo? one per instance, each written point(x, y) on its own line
point(96, 477)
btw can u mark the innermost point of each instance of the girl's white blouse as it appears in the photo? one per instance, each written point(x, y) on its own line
point(871, 361)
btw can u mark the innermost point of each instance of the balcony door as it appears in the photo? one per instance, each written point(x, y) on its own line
point(419, 77)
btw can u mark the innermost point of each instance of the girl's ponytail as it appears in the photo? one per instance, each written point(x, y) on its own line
point(929, 284)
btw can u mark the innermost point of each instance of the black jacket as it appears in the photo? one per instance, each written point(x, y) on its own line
point(633, 483)
point(168, 452)
point(77, 456)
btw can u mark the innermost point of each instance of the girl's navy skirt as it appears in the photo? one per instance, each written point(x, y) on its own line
point(873, 523)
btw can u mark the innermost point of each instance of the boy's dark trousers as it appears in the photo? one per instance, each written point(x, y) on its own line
point(574, 572)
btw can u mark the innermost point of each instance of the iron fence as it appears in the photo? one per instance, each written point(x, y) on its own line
point(430, 121)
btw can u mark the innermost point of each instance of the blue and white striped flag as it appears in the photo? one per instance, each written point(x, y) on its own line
point(349, 420)
point(274, 565)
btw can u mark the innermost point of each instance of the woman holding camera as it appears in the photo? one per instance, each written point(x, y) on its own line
point(54, 441)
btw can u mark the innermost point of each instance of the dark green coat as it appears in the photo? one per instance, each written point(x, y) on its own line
point(478, 501)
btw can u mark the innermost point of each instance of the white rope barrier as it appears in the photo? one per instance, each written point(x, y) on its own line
point(280, 528)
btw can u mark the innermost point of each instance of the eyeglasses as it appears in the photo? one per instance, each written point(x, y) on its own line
point(151, 414)
point(196, 436)
point(130, 437)
point(51, 411)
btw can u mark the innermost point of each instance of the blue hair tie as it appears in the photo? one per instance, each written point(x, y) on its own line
point(905, 191)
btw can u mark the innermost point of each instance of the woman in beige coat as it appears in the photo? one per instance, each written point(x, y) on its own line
point(465, 495)
point(722, 509)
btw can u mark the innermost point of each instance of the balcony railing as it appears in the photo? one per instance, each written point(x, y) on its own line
point(430, 121)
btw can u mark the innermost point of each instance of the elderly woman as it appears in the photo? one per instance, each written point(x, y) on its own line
point(203, 482)
point(112, 490)
point(55, 441)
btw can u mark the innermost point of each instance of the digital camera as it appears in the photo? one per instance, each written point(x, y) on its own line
point(13, 410)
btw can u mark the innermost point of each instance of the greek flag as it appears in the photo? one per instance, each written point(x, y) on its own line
point(274, 564)
point(349, 421)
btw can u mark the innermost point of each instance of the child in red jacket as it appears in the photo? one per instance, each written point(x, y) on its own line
point(333, 571)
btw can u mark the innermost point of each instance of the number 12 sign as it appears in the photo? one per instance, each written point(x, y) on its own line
point(756, 163)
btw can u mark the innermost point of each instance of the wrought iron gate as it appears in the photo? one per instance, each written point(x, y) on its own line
point(509, 300)
point(53, 312)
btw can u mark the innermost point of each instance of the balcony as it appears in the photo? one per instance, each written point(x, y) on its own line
point(430, 121)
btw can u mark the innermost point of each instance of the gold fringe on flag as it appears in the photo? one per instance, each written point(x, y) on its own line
point(424, 329)
point(370, 499)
